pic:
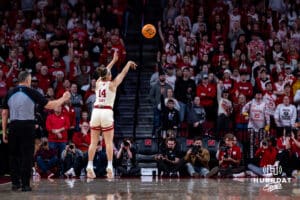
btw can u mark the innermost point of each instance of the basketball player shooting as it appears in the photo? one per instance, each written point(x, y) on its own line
point(102, 115)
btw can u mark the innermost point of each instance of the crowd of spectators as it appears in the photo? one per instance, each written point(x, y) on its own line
point(61, 43)
point(223, 67)
point(228, 69)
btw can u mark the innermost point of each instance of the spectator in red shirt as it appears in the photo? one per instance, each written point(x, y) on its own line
point(61, 85)
point(266, 155)
point(82, 138)
point(107, 54)
point(244, 65)
point(207, 93)
point(217, 34)
point(241, 44)
point(205, 47)
point(69, 112)
point(227, 81)
point(84, 118)
point(14, 64)
point(44, 78)
point(240, 120)
point(229, 156)
point(57, 125)
point(55, 56)
point(236, 59)
point(56, 68)
point(42, 52)
point(262, 79)
point(242, 87)
point(119, 46)
point(75, 68)
point(4, 67)
point(217, 57)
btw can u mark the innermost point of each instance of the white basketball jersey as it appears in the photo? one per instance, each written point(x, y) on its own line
point(104, 96)
point(257, 114)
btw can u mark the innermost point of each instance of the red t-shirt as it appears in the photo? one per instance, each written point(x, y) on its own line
point(207, 94)
point(295, 149)
point(82, 141)
point(70, 113)
point(44, 82)
point(267, 156)
point(54, 121)
point(234, 152)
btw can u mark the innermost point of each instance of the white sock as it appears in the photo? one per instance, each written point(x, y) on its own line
point(90, 165)
point(109, 164)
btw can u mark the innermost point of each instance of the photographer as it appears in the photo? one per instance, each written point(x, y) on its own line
point(229, 157)
point(197, 159)
point(266, 156)
point(126, 162)
point(46, 159)
point(72, 159)
point(169, 159)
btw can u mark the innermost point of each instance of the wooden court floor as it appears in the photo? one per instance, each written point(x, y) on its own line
point(153, 188)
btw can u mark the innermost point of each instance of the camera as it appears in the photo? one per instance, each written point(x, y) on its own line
point(71, 146)
point(225, 150)
point(264, 143)
point(195, 149)
point(126, 143)
point(45, 144)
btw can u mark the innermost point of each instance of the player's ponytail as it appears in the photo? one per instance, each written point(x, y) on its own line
point(102, 72)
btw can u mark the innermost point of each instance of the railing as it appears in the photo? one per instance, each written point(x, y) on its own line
point(250, 139)
point(139, 68)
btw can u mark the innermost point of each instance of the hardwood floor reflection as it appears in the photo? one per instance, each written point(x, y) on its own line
point(148, 188)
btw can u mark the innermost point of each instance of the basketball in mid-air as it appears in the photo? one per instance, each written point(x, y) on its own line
point(148, 31)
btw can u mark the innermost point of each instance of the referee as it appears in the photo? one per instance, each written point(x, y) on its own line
point(19, 106)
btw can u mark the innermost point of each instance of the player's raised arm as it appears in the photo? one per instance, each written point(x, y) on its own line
point(113, 61)
point(118, 80)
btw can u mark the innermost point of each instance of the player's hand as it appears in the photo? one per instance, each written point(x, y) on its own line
point(4, 138)
point(132, 64)
point(66, 96)
point(116, 56)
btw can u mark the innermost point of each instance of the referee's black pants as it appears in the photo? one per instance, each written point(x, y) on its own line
point(21, 149)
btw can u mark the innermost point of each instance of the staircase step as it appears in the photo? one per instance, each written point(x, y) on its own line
point(146, 109)
point(126, 104)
